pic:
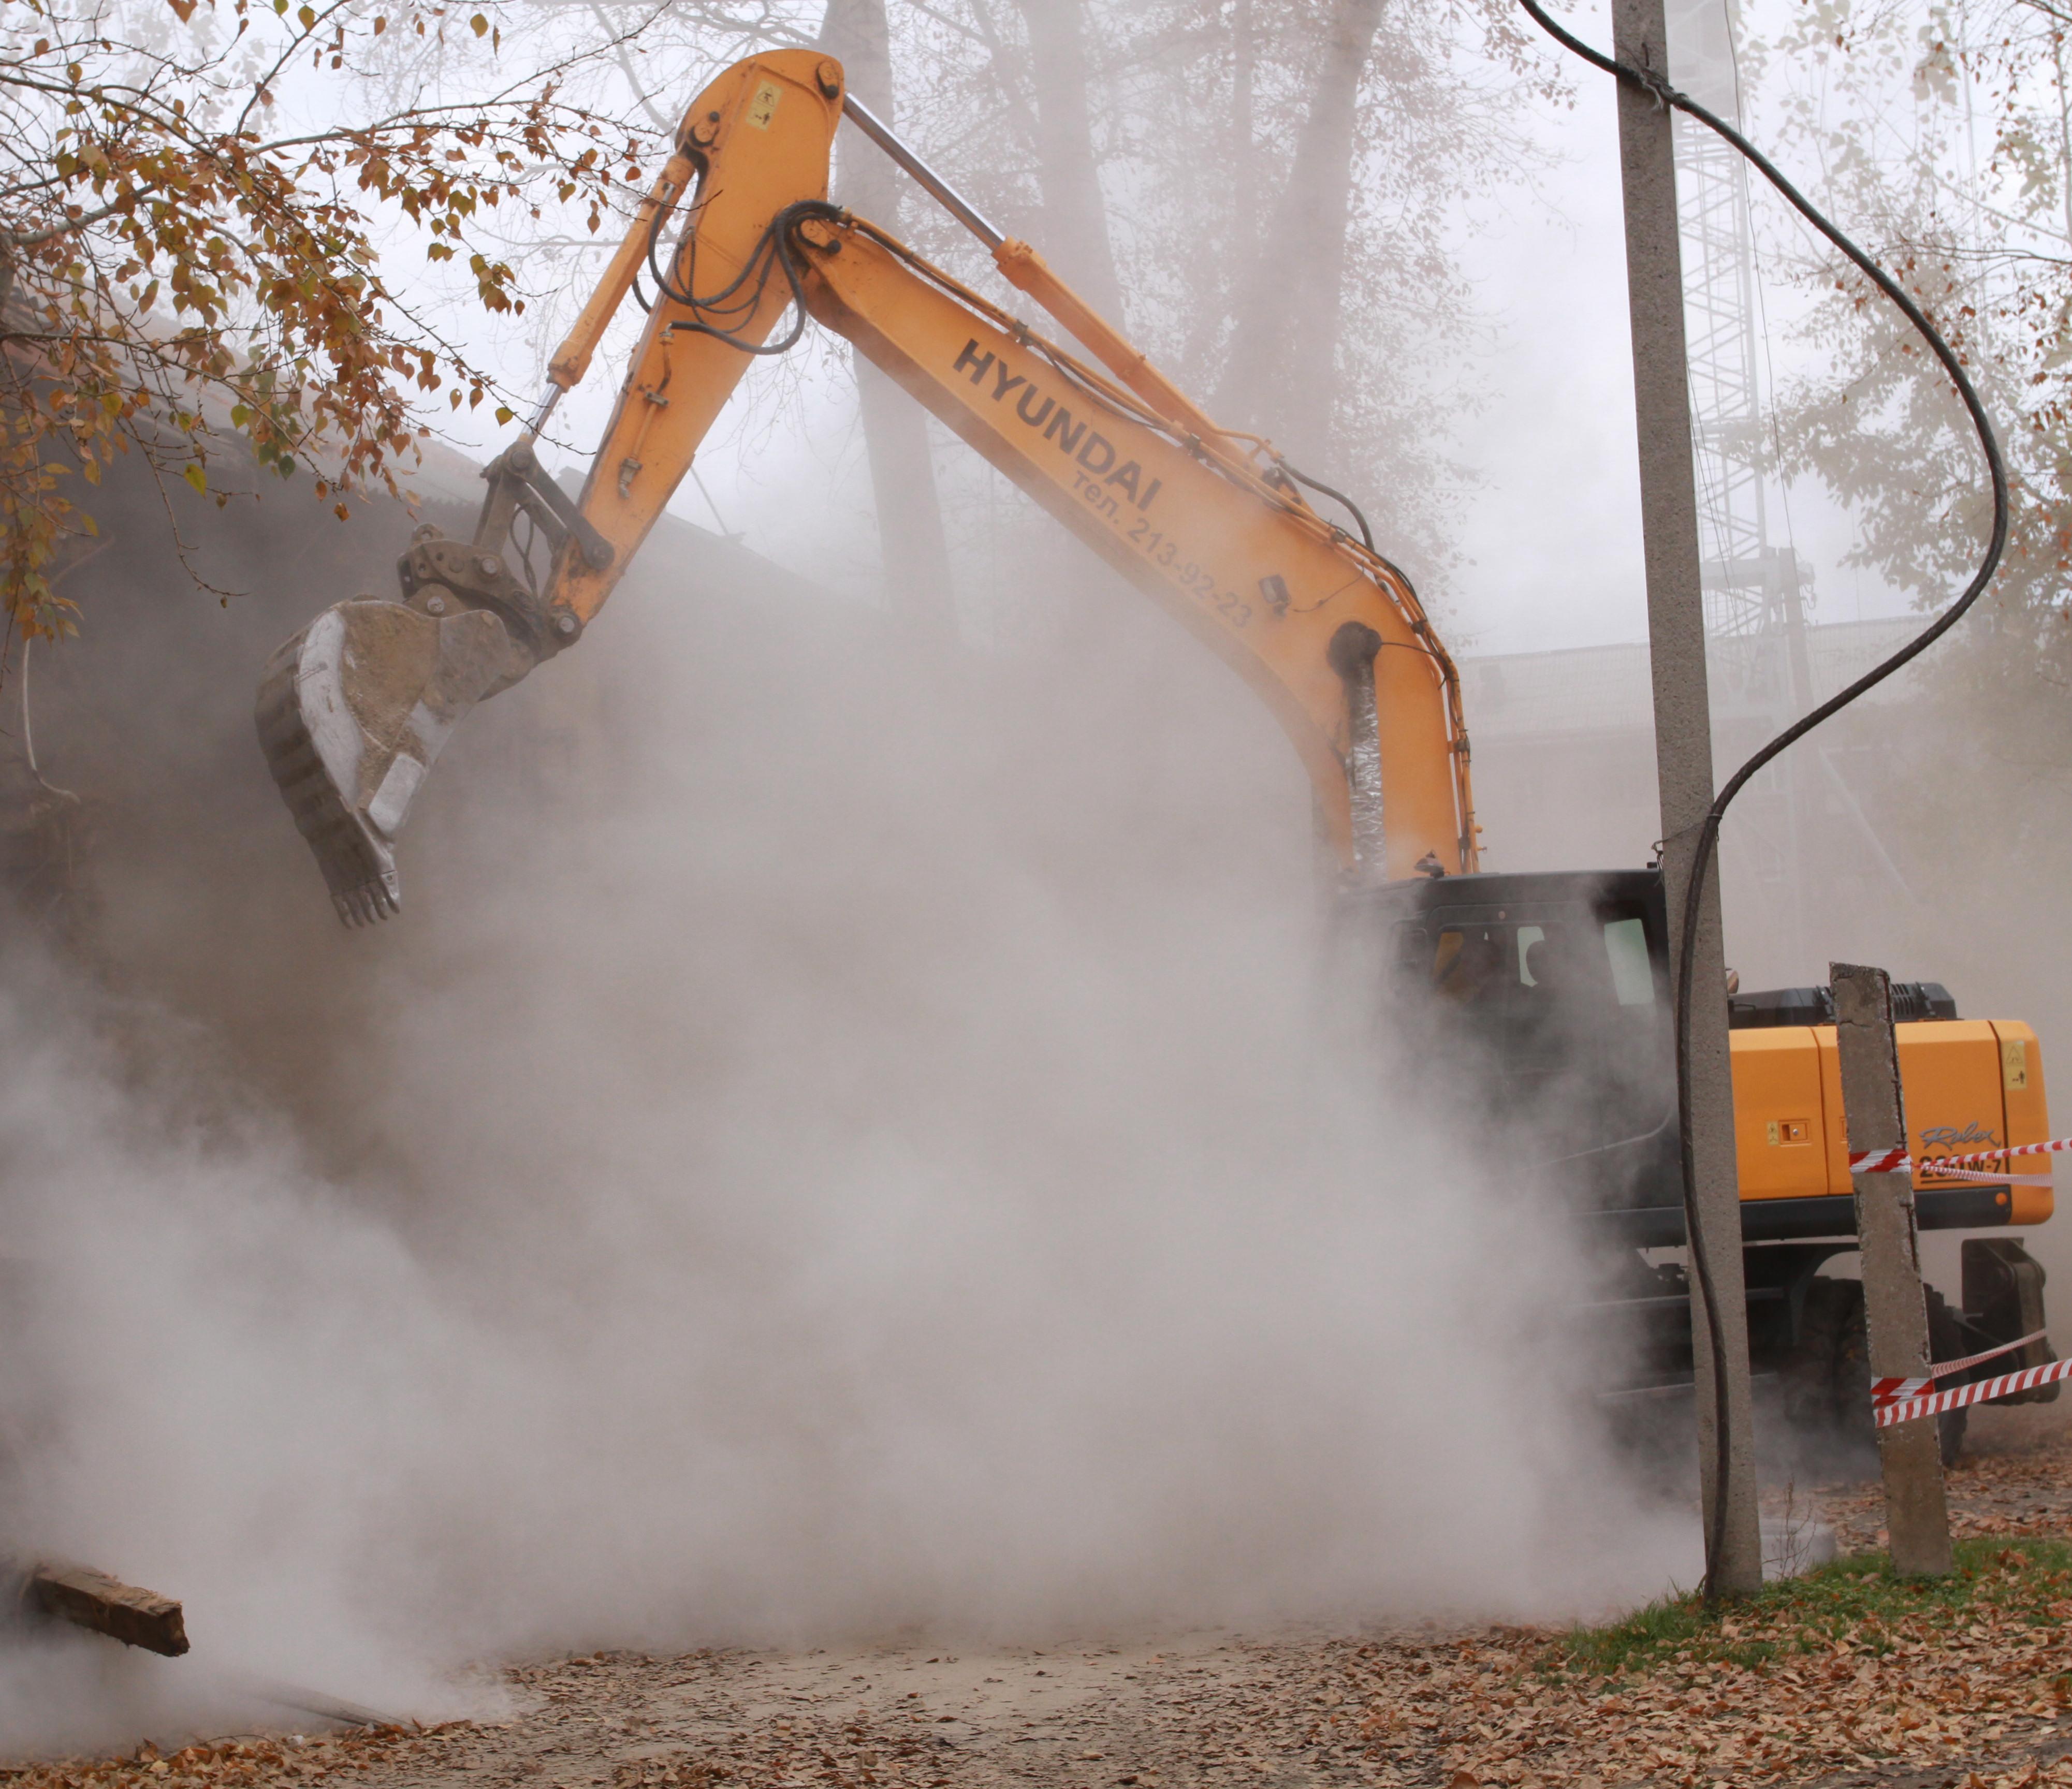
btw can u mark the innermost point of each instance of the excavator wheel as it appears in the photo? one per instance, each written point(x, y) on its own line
point(1827, 1380)
point(352, 713)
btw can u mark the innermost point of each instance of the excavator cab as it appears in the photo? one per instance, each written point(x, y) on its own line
point(1541, 1002)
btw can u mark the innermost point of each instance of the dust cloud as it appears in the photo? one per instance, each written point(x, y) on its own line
point(839, 1143)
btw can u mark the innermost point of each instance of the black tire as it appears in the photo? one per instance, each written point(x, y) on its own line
point(1826, 1385)
point(1946, 1342)
point(1827, 1380)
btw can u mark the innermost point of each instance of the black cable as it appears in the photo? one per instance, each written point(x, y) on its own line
point(1359, 516)
point(686, 297)
point(767, 255)
point(1708, 832)
point(1351, 508)
point(770, 253)
point(525, 553)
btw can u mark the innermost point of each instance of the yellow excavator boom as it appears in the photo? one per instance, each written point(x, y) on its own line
point(353, 711)
point(1216, 532)
point(1212, 523)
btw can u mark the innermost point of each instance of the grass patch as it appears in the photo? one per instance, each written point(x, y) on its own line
point(1857, 1605)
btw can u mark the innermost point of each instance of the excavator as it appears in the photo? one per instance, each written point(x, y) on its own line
point(1547, 993)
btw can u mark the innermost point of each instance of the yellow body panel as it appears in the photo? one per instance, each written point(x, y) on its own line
point(1780, 1126)
point(1969, 1086)
point(2027, 1115)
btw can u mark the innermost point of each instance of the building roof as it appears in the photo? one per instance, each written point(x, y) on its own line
point(1602, 689)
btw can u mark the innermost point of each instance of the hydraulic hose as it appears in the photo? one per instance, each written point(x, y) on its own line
point(1657, 88)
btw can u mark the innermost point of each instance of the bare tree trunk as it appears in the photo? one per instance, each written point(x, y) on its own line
point(1244, 162)
point(895, 433)
point(1075, 214)
point(1280, 375)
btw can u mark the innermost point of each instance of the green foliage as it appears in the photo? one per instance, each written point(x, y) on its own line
point(1966, 197)
point(179, 269)
point(1856, 1604)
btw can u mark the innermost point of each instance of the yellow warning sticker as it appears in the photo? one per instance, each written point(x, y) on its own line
point(2014, 1063)
point(763, 107)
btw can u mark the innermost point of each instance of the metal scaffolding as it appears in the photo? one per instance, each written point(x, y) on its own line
point(1799, 840)
point(1753, 589)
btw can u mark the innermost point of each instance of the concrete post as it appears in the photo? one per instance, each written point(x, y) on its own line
point(1683, 759)
point(1895, 1312)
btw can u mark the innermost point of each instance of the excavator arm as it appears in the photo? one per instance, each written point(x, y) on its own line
point(354, 709)
point(1212, 524)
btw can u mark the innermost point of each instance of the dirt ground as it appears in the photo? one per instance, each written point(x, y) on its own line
point(2014, 1478)
point(1453, 1709)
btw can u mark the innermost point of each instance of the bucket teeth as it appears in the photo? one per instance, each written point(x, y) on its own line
point(352, 713)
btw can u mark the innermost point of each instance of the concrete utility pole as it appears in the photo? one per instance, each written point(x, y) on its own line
point(1895, 1312)
point(1684, 768)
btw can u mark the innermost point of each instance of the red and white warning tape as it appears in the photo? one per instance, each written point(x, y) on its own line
point(1879, 1161)
point(1906, 1410)
point(1883, 1391)
point(1958, 1167)
point(1903, 1400)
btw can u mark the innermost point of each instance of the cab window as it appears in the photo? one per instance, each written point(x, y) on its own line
point(1633, 976)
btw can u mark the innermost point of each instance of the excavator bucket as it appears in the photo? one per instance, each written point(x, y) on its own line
point(352, 713)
